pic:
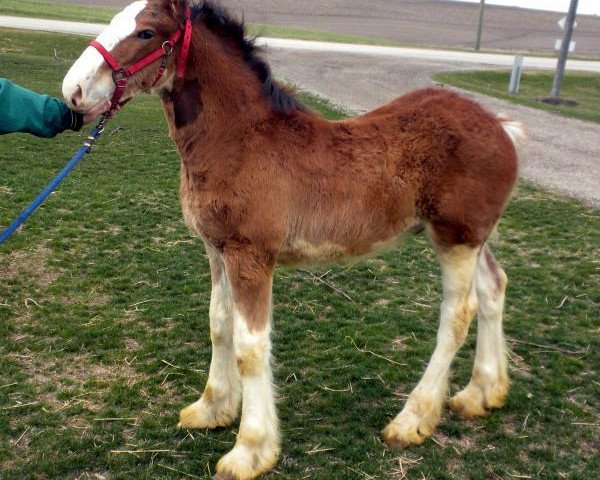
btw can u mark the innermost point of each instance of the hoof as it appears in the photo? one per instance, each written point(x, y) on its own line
point(224, 476)
point(247, 462)
point(403, 436)
point(472, 403)
point(467, 407)
point(202, 414)
point(415, 423)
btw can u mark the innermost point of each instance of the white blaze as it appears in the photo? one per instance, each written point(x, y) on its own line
point(83, 73)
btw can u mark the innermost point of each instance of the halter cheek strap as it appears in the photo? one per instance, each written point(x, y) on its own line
point(121, 75)
point(187, 40)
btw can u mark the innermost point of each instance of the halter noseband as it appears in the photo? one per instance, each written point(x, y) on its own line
point(121, 75)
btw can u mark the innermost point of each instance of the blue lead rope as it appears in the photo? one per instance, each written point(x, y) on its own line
point(87, 146)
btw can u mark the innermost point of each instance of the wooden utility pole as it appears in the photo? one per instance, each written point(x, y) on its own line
point(564, 51)
point(480, 26)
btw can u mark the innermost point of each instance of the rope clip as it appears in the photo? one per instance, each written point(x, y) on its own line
point(167, 47)
point(102, 123)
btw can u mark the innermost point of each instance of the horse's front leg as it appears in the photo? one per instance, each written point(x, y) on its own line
point(257, 446)
point(219, 404)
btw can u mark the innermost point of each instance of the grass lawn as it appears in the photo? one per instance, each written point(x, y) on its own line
point(58, 11)
point(104, 326)
point(581, 87)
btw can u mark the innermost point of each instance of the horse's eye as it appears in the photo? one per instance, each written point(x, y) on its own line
point(146, 34)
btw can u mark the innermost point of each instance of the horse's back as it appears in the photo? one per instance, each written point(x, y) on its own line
point(455, 154)
point(467, 185)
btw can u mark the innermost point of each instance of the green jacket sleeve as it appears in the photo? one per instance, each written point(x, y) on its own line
point(22, 110)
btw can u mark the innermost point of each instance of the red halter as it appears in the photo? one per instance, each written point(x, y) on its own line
point(121, 75)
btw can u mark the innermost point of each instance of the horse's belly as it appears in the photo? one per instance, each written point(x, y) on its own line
point(301, 251)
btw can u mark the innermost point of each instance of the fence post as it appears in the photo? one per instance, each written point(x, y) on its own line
point(515, 78)
point(480, 26)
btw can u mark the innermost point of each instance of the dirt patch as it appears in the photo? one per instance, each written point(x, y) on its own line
point(399, 343)
point(131, 344)
point(92, 476)
point(463, 443)
point(513, 426)
point(455, 464)
point(589, 448)
point(52, 375)
point(519, 366)
point(9, 50)
point(30, 264)
point(382, 302)
point(89, 298)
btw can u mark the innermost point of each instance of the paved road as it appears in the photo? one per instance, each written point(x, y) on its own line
point(416, 22)
point(562, 154)
point(502, 60)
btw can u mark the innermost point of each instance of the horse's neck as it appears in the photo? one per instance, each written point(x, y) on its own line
point(218, 98)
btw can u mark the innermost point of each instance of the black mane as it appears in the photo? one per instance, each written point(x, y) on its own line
point(225, 26)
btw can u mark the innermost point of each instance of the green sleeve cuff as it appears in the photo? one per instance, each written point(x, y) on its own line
point(22, 110)
point(72, 120)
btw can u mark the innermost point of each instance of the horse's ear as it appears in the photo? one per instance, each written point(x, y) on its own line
point(179, 7)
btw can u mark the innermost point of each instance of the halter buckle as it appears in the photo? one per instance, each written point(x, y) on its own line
point(118, 75)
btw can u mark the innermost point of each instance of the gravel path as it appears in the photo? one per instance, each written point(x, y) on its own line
point(562, 154)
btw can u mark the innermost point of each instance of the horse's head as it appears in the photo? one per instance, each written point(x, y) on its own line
point(140, 30)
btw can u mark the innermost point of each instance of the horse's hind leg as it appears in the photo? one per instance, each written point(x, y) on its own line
point(219, 404)
point(489, 382)
point(422, 411)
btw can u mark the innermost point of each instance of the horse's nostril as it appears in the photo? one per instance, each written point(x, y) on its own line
point(77, 97)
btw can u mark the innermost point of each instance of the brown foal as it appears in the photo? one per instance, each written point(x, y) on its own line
point(264, 181)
